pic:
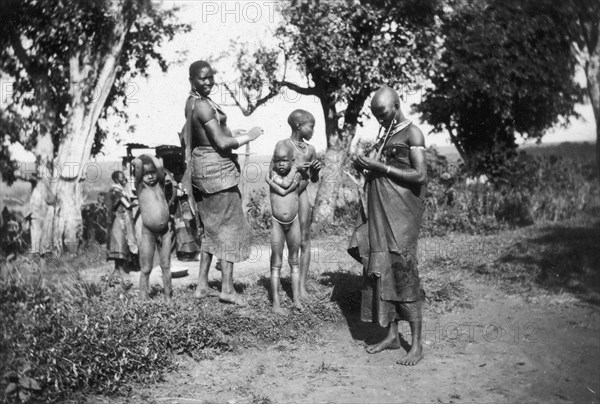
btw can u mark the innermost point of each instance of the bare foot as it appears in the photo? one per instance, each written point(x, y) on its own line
point(232, 298)
point(412, 357)
point(388, 343)
point(303, 293)
point(298, 306)
point(203, 293)
point(278, 310)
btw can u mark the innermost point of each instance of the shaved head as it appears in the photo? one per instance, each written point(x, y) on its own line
point(284, 149)
point(385, 97)
point(299, 116)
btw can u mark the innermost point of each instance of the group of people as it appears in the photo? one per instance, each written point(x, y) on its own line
point(384, 240)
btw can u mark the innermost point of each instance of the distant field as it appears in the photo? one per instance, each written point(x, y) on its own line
point(255, 169)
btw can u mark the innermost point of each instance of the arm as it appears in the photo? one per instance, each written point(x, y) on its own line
point(204, 116)
point(287, 181)
point(124, 202)
point(137, 171)
point(174, 186)
point(281, 191)
point(417, 174)
point(315, 165)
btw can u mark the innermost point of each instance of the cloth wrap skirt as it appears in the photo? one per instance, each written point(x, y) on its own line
point(385, 242)
point(225, 230)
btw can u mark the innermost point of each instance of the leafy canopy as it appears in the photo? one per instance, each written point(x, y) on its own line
point(38, 39)
point(505, 70)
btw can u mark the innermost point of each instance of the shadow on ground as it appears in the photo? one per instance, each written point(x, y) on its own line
point(346, 293)
point(558, 258)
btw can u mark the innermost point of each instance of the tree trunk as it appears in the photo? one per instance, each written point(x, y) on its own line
point(88, 98)
point(592, 70)
point(331, 180)
point(330, 191)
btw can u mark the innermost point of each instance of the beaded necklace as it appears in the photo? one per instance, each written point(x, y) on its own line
point(300, 144)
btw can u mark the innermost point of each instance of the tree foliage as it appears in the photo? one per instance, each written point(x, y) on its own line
point(42, 43)
point(505, 70)
point(349, 49)
point(346, 50)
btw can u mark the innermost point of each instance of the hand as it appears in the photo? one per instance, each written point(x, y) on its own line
point(316, 165)
point(367, 163)
point(238, 132)
point(303, 167)
point(255, 132)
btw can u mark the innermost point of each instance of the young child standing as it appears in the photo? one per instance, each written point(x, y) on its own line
point(284, 180)
point(149, 183)
point(302, 124)
point(121, 241)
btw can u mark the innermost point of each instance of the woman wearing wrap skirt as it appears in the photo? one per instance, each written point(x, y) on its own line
point(387, 226)
point(211, 179)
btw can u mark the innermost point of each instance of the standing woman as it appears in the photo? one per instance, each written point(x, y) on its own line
point(214, 174)
point(387, 227)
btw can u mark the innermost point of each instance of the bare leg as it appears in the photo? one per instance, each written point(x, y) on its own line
point(277, 243)
point(146, 253)
point(202, 290)
point(275, 274)
point(228, 293)
point(120, 270)
point(416, 349)
point(305, 218)
point(391, 341)
point(165, 264)
point(293, 243)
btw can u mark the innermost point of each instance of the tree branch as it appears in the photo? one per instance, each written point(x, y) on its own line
point(298, 89)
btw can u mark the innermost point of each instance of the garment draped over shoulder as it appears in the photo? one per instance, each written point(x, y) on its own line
point(214, 177)
point(386, 233)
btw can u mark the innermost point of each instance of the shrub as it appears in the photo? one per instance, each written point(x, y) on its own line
point(258, 212)
point(88, 337)
point(531, 189)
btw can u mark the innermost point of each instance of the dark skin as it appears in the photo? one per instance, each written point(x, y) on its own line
point(302, 130)
point(385, 106)
point(284, 206)
point(208, 131)
point(150, 181)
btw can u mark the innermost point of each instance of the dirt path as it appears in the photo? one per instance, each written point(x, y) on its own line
point(506, 349)
point(503, 350)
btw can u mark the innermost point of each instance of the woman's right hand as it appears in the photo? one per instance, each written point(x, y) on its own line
point(255, 132)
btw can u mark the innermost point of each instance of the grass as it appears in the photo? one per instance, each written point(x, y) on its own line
point(550, 258)
point(62, 335)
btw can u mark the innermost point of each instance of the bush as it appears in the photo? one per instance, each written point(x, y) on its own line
point(532, 189)
point(90, 338)
point(258, 212)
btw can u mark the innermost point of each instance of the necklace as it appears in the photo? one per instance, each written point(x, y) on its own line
point(213, 105)
point(300, 144)
point(382, 140)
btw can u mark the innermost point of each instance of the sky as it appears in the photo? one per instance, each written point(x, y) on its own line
point(156, 104)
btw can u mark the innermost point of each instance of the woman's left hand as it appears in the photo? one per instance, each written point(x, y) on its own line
point(367, 163)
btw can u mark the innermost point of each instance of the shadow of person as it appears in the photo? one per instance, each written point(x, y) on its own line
point(346, 293)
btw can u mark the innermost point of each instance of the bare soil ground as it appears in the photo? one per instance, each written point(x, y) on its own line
point(529, 331)
point(504, 350)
